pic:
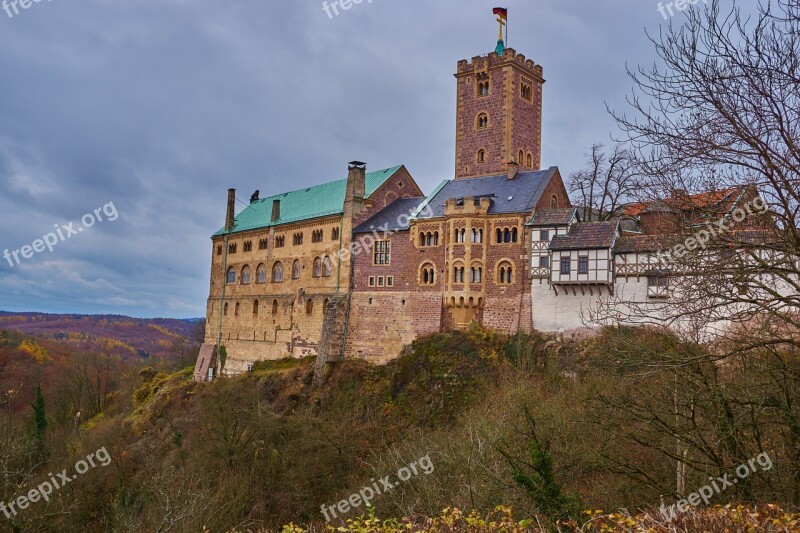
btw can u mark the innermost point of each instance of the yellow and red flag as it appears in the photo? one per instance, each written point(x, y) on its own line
point(501, 11)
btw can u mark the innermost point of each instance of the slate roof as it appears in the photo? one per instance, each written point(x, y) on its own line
point(553, 217)
point(304, 204)
point(519, 195)
point(586, 236)
point(389, 218)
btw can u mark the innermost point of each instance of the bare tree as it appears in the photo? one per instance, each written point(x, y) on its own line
point(608, 182)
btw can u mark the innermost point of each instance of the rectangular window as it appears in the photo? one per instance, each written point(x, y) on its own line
point(382, 253)
point(219, 250)
point(248, 246)
point(231, 248)
point(544, 262)
point(544, 235)
point(583, 264)
point(657, 281)
point(262, 244)
point(380, 281)
point(280, 242)
point(372, 281)
point(565, 264)
point(390, 281)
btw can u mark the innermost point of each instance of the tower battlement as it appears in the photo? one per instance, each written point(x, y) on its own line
point(492, 60)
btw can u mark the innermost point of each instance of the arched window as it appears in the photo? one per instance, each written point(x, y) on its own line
point(514, 235)
point(506, 273)
point(427, 274)
point(274, 307)
point(325, 304)
point(554, 202)
point(277, 272)
point(436, 238)
point(255, 308)
point(530, 160)
point(326, 267)
point(483, 120)
point(422, 239)
point(231, 276)
point(317, 267)
point(296, 269)
point(481, 156)
point(309, 306)
point(476, 274)
point(480, 236)
point(236, 310)
point(458, 274)
point(520, 157)
point(245, 275)
point(499, 236)
point(261, 274)
point(225, 309)
point(507, 235)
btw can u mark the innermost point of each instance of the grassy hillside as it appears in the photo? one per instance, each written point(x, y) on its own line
point(472, 421)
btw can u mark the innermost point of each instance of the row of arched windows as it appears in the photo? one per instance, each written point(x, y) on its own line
point(460, 235)
point(429, 238)
point(506, 235)
point(505, 273)
point(309, 306)
point(528, 161)
point(322, 268)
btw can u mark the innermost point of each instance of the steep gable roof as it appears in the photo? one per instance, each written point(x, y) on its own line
point(519, 195)
point(304, 204)
point(388, 218)
point(587, 236)
point(553, 217)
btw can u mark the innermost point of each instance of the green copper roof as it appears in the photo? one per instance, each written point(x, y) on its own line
point(501, 47)
point(304, 204)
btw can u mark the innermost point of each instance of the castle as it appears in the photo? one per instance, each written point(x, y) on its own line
point(360, 267)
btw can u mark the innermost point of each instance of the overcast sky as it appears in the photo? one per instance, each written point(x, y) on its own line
point(154, 108)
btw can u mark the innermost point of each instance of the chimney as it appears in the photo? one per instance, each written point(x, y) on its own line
point(230, 219)
point(512, 167)
point(356, 180)
point(276, 210)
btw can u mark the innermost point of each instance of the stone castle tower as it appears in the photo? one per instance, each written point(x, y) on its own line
point(499, 114)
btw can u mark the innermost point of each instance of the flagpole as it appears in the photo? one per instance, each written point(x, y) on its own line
point(507, 45)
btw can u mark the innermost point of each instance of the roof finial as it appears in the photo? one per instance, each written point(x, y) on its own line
point(502, 19)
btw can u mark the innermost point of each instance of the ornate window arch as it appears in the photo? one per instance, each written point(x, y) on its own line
point(296, 269)
point(476, 272)
point(458, 272)
point(482, 121)
point(327, 268)
point(245, 278)
point(231, 279)
point(427, 273)
point(261, 274)
point(317, 267)
point(277, 272)
point(504, 272)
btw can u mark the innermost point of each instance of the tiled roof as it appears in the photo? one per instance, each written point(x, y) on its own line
point(304, 204)
point(391, 218)
point(722, 200)
point(553, 217)
point(519, 195)
point(586, 236)
point(645, 243)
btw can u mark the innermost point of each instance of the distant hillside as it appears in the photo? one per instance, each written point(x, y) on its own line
point(133, 337)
